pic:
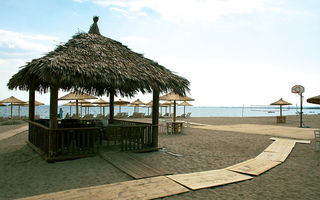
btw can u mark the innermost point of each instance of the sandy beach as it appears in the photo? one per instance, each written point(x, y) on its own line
point(24, 173)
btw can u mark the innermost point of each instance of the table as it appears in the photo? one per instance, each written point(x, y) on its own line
point(174, 127)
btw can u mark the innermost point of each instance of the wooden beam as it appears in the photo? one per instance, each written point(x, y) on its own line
point(31, 103)
point(112, 93)
point(53, 119)
point(155, 116)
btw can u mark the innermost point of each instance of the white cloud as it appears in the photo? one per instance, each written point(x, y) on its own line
point(21, 41)
point(189, 10)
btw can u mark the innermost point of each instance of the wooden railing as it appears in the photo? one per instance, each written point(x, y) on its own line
point(64, 143)
point(69, 142)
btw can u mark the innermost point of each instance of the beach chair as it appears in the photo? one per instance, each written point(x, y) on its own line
point(317, 140)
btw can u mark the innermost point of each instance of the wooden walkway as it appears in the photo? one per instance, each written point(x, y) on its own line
point(207, 179)
point(131, 165)
point(162, 186)
point(13, 132)
point(149, 188)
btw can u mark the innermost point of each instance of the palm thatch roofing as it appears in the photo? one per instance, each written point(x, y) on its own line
point(175, 97)
point(121, 102)
point(281, 102)
point(77, 96)
point(12, 100)
point(96, 64)
point(100, 101)
point(138, 102)
point(314, 100)
point(36, 103)
point(184, 104)
point(70, 103)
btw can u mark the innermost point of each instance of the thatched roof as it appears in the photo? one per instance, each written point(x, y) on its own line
point(121, 102)
point(175, 97)
point(281, 102)
point(77, 95)
point(101, 101)
point(13, 100)
point(184, 104)
point(314, 100)
point(96, 64)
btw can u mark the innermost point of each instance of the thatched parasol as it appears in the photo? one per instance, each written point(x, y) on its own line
point(137, 103)
point(175, 97)
point(281, 103)
point(12, 100)
point(120, 103)
point(314, 100)
point(101, 103)
point(1, 104)
point(36, 103)
point(87, 105)
point(70, 103)
point(77, 96)
point(184, 104)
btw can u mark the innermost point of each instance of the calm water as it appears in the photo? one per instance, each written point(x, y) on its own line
point(43, 111)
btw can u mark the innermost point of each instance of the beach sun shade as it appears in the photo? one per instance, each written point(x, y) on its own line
point(101, 103)
point(175, 97)
point(77, 96)
point(120, 103)
point(137, 103)
point(36, 103)
point(184, 104)
point(12, 100)
point(70, 103)
point(1, 104)
point(281, 103)
point(314, 100)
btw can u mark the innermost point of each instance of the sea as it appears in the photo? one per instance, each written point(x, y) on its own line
point(196, 111)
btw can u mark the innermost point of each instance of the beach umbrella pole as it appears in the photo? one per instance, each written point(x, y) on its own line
point(11, 111)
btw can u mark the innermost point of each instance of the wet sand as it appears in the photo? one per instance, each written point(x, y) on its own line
point(24, 173)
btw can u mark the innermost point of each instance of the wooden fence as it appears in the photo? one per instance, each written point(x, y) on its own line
point(69, 142)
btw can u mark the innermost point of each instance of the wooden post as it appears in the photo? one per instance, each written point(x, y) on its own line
point(174, 111)
point(53, 118)
point(111, 106)
point(11, 111)
point(155, 117)
point(31, 103)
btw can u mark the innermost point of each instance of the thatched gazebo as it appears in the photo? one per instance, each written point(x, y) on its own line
point(97, 65)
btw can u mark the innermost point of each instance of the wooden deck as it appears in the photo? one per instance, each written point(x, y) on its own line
point(131, 165)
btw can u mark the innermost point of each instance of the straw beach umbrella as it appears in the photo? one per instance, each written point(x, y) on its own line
point(70, 103)
point(314, 100)
point(101, 103)
point(175, 97)
point(137, 103)
point(12, 100)
point(120, 103)
point(1, 104)
point(184, 104)
point(77, 96)
point(281, 103)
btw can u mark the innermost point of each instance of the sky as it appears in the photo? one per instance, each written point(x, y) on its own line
point(233, 52)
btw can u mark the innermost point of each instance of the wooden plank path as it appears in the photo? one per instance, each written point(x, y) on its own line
point(254, 166)
point(13, 132)
point(149, 188)
point(205, 179)
point(131, 165)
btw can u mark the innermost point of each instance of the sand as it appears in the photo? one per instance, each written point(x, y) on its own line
point(24, 173)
